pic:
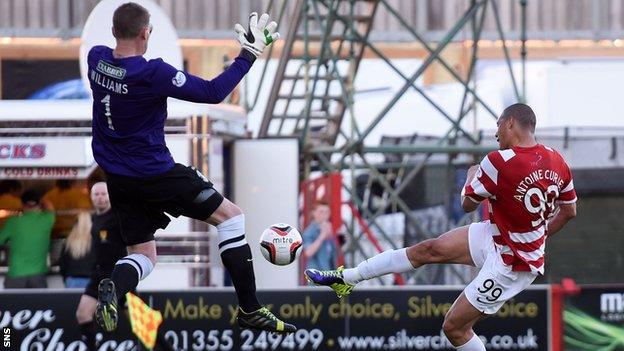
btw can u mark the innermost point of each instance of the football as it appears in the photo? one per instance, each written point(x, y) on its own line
point(280, 244)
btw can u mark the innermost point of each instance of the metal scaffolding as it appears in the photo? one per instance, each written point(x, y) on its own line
point(313, 92)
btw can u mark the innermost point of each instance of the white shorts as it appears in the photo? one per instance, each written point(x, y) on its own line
point(496, 282)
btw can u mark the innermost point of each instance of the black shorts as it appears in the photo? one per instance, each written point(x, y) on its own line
point(140, 203)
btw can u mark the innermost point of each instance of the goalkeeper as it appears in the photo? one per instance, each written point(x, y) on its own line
point(129, 112)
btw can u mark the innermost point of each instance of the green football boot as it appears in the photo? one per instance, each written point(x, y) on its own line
point(333, 279)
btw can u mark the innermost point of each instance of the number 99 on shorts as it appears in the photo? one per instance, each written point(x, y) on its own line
point(212, 340)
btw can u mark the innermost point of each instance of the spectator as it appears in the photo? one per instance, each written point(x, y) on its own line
point(68, 200)
point(10, 203)
point(29, 238)
point(108, 247)
point(77, 258)
point(319, 244)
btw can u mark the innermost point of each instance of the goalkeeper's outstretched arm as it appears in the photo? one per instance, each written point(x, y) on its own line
point(168, 81)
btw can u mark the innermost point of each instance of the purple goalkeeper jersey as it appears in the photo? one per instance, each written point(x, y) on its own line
point(130, 108)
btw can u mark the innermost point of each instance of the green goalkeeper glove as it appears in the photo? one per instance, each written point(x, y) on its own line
point(259, 35)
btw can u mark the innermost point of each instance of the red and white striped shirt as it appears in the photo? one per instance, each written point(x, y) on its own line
point(523, 186)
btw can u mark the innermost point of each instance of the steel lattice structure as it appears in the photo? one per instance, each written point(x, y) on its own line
point(312, 99)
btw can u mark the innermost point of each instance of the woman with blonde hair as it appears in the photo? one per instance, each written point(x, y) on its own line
point(77, 258)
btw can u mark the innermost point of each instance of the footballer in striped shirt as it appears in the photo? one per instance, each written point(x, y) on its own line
point(530, 196)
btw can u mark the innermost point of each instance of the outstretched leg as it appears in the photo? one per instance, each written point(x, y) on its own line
point(450, 247)
point(237, 259)
point(236, 253)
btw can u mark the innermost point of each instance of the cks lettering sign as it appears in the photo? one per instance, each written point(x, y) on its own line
point(22, 151)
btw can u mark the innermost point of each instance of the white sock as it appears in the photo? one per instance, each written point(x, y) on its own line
point(391, 261)
point(232, 233)
point(141, 263)
point(474, 344)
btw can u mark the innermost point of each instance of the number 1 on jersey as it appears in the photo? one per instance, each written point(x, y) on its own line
point(106, 102)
